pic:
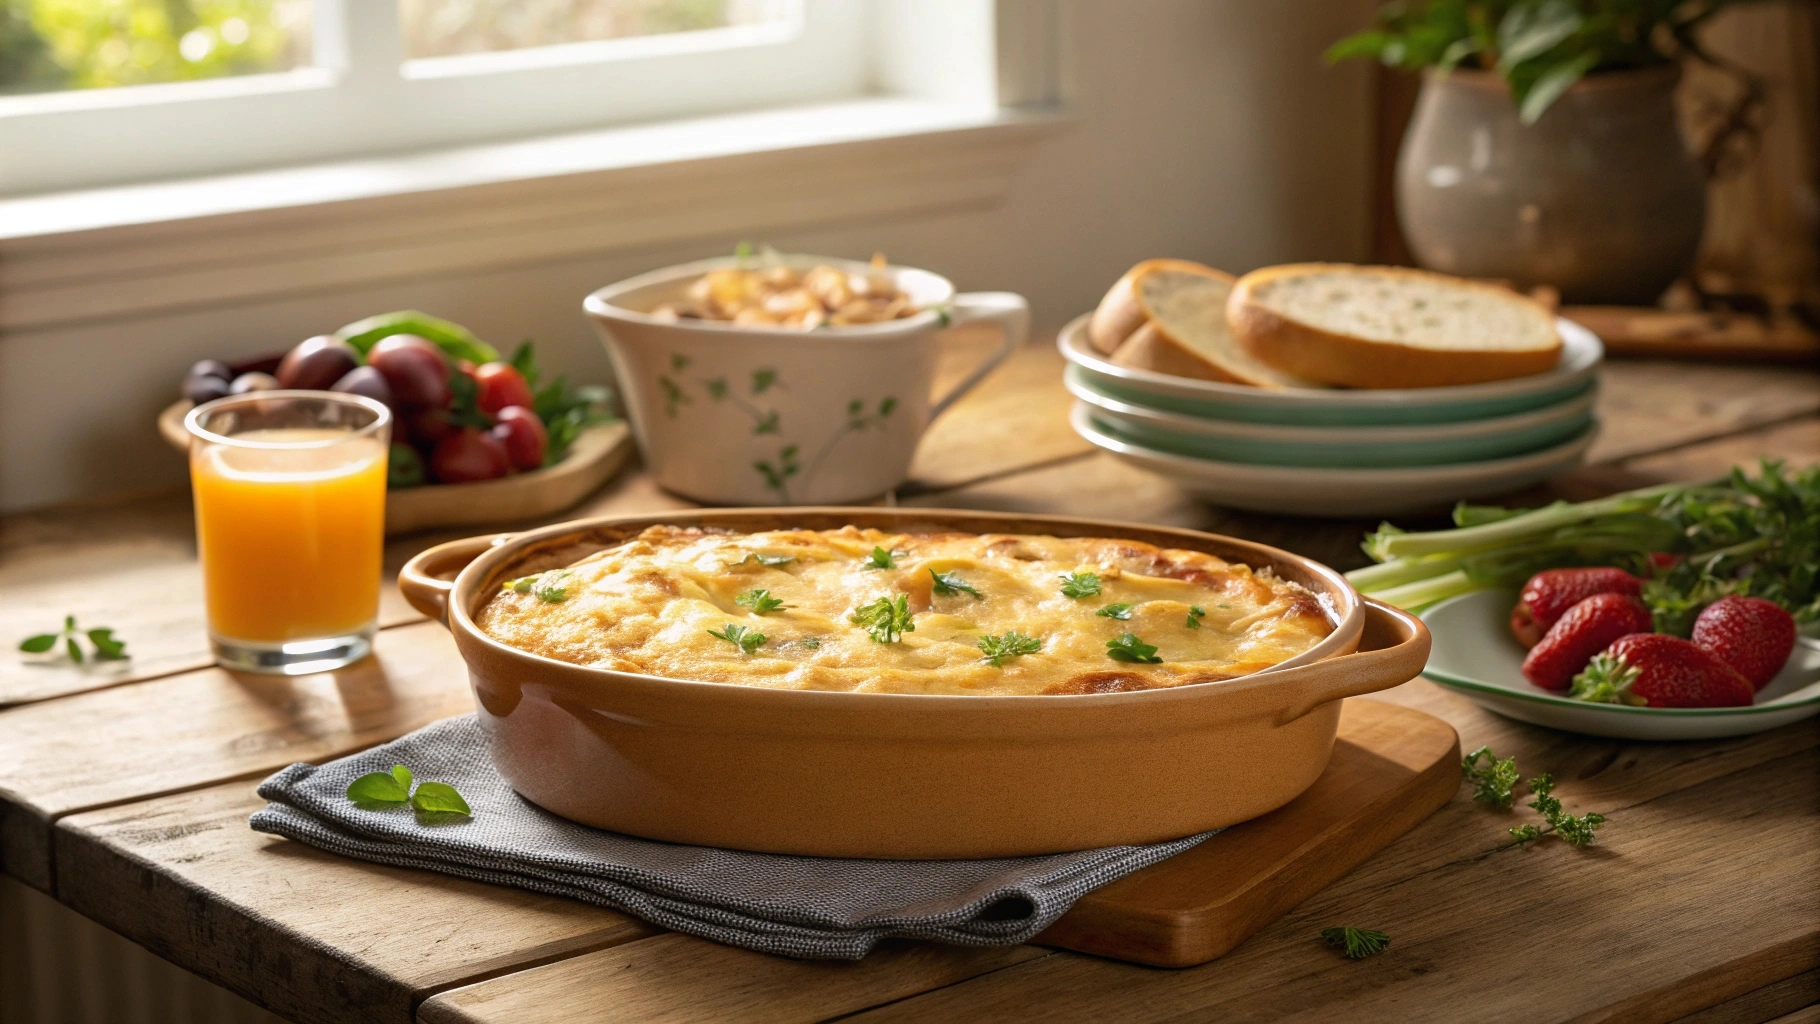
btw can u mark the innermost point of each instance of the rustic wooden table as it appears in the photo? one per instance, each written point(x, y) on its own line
point(124, 792)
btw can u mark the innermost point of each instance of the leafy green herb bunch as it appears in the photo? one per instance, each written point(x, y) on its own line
point(1541, 47)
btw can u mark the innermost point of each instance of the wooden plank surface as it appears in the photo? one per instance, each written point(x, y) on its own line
point(304, 933)
point(184, 731)
point(1661, 919)
point(139, 814)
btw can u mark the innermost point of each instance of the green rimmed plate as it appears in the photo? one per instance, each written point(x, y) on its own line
point(1336, 407)
point(1270, 444)
point(1475, 655)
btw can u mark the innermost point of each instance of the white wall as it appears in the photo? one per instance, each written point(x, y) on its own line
point(1207, 129)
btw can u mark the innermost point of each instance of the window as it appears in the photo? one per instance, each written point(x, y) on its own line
point(98, 92)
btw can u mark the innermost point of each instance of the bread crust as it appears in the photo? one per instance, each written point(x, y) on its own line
point(1346, 361)
point(1120, 313)
point(1149, 348)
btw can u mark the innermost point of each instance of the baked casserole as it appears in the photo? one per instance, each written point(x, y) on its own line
point(929, 613)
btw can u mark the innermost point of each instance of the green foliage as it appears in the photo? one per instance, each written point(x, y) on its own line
point(1541, 47)
point(1577, 831)
point(1195, 614)
point(880, 559)
point(760, 601)
point(90, 44)
point(1129, 648)
point(949, 584)
point(1120, 611)
point(1080, 584)
point(549, 587)
point(1358, 943)
point(1011, 644)
point(1491, 778)
point(101, 639)
point(887, 619)
point(746, 640)
point(433, 801)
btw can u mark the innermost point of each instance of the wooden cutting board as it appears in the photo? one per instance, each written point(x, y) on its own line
point(1392, 767)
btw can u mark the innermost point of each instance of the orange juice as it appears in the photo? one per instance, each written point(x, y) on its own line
point(290, 537)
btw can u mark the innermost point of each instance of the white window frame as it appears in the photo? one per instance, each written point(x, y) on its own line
point(361, 98)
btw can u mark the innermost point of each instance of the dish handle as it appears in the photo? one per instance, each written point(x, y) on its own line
point(427, 579)
point(1012, 315)
point(1393, 649)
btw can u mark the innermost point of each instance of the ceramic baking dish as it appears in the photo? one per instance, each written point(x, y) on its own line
point(840, 774)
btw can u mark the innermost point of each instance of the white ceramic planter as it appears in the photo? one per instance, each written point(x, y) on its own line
point(772, 416)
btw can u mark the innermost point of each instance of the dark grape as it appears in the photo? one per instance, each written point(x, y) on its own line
point(366, 382)
point(253, 382)
point(204, 389)
point(468, 455)
point(212, 368)
point(316, 364)
point(519, 429)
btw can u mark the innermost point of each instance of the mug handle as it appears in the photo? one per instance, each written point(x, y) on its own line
point(1010, 312)
point(428, 578)
point(1393, 649)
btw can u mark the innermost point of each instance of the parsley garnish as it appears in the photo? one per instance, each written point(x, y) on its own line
point(746, 640)
point(1492, 780)
point(773, 561)
point(433, 800)
point(1195, 614)
point(809, 643)
point(1011, 645)
point(886, 619)
point(107, 648)
point(880, 559)
point(1129, 648)
point(1080, 584)
point(551, 587)
point(1120, 611)
point(760, 601)
point(1578, 831)
point(948, 584)
point(1358, 943)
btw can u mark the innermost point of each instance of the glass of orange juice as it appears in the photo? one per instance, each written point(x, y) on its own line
point(290, 523)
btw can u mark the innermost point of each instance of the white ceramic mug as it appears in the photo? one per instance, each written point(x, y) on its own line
point(774, 416)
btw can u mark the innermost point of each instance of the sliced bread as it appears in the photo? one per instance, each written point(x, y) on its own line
point(1389, 327)
point(1169, 316)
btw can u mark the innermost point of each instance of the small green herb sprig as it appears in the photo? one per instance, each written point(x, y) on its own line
point(1494, 781)
point(1011, 644)
point(1491, 778)
point(549, 587)
point(106, 646)
point(949, 584)
point(881, 559)
point(1077, 585)
point(747, 640)
point(1356, 943)
point(1129, 648)
point(887, 619)
point(1120, 611)
point(1578, 831)
point(435, 801)
point(1195, 614)
point(760, 601)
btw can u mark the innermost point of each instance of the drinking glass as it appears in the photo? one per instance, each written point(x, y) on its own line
point(290, 523)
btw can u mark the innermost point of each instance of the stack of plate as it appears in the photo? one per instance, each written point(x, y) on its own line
point(1338, 453)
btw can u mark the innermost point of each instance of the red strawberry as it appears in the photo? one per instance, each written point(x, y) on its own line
point(1661, 671)
point(1587, 628)
point(1750, 634)
point(1548, 595)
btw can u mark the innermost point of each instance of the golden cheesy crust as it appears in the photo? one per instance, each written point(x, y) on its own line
point(661, 604)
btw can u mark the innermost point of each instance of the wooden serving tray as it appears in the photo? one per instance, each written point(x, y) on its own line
point(595, 456)
point(1392, 767)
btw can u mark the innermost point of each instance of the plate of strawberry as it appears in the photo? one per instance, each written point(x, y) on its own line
point(1577, 649)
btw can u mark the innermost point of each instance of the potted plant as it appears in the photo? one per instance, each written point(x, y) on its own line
point(1544, 147)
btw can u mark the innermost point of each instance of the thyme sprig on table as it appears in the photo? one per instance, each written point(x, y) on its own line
point(1357, 943)
point(1494, 781)
point(106, 646)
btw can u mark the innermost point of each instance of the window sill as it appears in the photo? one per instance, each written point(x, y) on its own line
point(108, 254)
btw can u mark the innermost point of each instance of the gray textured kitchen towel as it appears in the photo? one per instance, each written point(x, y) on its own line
point(809, 907)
